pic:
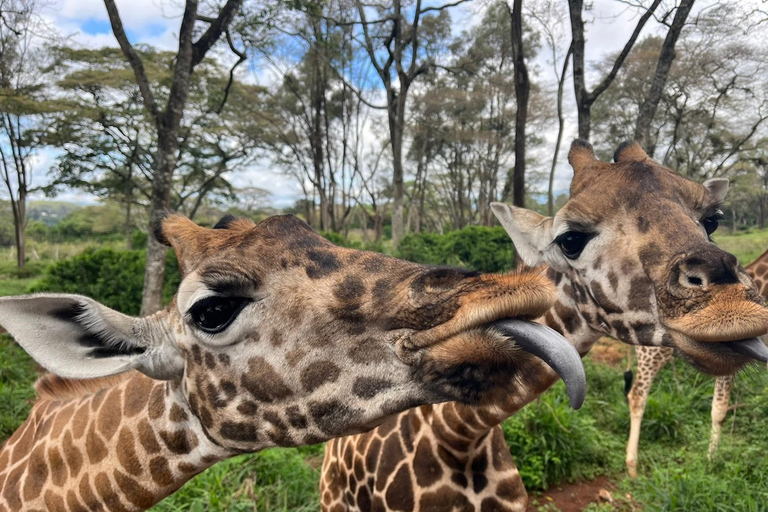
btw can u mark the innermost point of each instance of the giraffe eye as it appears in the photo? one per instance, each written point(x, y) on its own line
point(214, 314)
point(710, 223)
point(573, 242)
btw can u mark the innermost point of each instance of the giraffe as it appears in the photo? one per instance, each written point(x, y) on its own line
point(650, 360)
point(275, 337)
point(630, 256)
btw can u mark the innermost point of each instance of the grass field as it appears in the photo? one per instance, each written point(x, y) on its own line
point(552, 444)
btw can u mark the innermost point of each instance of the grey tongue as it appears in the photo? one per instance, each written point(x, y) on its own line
point(549, 346)
point(754, 348)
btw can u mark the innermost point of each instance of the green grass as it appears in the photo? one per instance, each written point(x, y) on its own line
point(746, 245)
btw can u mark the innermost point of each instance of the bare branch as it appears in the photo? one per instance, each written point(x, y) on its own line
point(216, 28)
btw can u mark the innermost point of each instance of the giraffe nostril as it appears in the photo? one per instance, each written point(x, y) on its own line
point(695, 281)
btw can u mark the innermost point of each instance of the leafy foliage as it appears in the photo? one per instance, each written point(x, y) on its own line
point(475, 247)
point(114, 278)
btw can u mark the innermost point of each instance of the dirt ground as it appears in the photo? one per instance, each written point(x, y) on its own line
point(574, 497)
point(610, 351)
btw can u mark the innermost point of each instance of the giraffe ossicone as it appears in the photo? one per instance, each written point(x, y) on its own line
point(275, 337)
point(630, 256)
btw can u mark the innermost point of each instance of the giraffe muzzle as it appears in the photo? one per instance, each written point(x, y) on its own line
point(549, 346)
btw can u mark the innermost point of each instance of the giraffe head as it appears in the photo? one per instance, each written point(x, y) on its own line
point(633, 242)
point(278, 337)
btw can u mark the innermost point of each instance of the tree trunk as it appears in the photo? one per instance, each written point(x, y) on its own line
point(19, 217)
point(154, 275)
point(560, 128)
point(667, 56)
point(522, 93)
point(396, 122)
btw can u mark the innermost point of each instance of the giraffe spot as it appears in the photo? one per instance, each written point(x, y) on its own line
point(73, 503)
point(72, 455)
point(426, 467)
point(406, 435)
point(322, 263)
point(651, 255)
point(187, 468)
point(58, 466)
point(180, 442)
point(295, 418)
point(126, 452)
point(293, 356)
point(94, 446)
point(210, 361)
point(445, 498)
point(276, 338)
point(248, 408)
point(224, 359)
point(136, 395)
point(54, 502)
point(157, 402)
point(569, 317)
point(350, 289)
point(11, 491)
point(643, 224)
point(87, 494)
point(5, 454)
point(479, 482)
point(603, 300)
point(97, 399)
point(499, 449)
point(369, 351)
point(243, 432)
point(400, 492)
point(318, 373)
point(61, 421)
point(391, 455)
point(263, 382)
point(332, 416)
point(378, 505)
point(388, 426)
point(160, 471)
point(614, 280)
point(197, 354)
point(177, 414)
point(217, 399)
point(24, 444)
point(147, 437)
point(644, 332)
point(110, 414)
point(110, 498)
point(372, 455)
point(359, 469)
point(511, 489)
point(622, 332)
point(460, 479)
point(492, 505)
point(369, 387)
point(640, 294)
point(363, 499)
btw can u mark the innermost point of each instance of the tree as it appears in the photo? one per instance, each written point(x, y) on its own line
point(399, 54)
point(522, 93)
point(649, 106)
point(584, 97)
point(166, 120)
point(24, 105)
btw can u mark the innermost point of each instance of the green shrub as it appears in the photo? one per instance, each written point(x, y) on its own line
point(114, 278)
point(16, 377)
point(476, 247)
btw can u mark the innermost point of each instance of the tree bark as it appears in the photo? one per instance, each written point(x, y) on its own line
point(584, 97)
point(167, 123)
point(560, 128)
point(667, 56)
point(522, 94)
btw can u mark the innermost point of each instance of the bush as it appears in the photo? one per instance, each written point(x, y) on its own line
point(476, 247)
point(114, 278)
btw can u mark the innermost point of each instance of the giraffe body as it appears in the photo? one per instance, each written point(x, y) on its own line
point(275, 338)
point(630, 257)
point(650, 360)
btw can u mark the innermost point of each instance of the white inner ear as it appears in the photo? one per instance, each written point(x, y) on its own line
point(530, 232)
point(76, 337)
point(718, 188)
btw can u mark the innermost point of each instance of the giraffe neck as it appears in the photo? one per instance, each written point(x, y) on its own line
point(758, 271)
point(124, 447)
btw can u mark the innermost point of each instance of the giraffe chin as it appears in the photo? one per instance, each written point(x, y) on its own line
point(724, 358)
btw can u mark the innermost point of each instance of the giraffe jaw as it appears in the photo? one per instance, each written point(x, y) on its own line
point(552, 348)
point(723, 358)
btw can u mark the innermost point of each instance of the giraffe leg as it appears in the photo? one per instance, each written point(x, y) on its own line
point(649, 361)
point(720, 400)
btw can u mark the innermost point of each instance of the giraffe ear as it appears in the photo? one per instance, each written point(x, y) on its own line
point(76, 337)
point(718, 188)
point(530, 232)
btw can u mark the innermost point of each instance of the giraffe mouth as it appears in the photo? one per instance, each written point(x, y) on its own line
point(753, 348)
point(723, 358)
point(552, 348)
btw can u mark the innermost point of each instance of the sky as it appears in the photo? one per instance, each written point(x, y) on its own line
point(155, 22)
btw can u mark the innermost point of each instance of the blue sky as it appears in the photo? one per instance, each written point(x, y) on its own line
point(155, 22)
